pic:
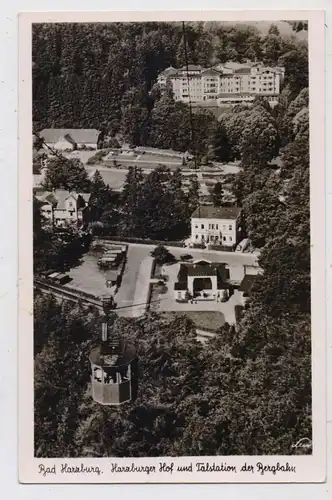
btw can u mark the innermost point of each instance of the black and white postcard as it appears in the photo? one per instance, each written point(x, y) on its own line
point(172, 247)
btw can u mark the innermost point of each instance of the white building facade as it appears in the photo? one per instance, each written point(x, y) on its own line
point(230, 83)
point(215, 226)
point(62, 208)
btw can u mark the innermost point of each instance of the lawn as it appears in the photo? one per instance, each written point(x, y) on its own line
point(204, 320)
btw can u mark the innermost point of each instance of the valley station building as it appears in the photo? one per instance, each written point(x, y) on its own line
point(215, 226)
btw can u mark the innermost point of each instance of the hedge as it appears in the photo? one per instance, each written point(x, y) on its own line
point(222, 248)
point(198, 245)
point(97, 158)
point(124, 239)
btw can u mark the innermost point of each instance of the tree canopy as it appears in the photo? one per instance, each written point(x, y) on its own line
point(79, 81)
point(247, 391)
point(68, 174)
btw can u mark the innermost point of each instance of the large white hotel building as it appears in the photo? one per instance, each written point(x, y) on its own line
point(229, 83)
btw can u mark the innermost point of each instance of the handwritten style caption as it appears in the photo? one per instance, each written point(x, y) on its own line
point(167, 468)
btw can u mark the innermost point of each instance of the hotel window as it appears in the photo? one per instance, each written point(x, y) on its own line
point(202, 226)
point(216, 226)
point(196, 236)
point(224, 238)
point(230, 227)
point(196, 226)
point(230, 238)
point(212, 226)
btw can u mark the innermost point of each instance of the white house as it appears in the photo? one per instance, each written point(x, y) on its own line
point(62, 208)
point(215, 225)
point(63, 139)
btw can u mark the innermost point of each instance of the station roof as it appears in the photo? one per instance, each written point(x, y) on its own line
point(202, 268)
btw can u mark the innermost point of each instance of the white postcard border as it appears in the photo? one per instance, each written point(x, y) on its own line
point(308, 468)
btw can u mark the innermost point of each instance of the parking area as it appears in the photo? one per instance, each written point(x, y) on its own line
point(87, 276)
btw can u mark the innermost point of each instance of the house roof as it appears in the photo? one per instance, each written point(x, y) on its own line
point(81, 135)
point(85, 196)
point(169, 71)
point(59, 196)
point(202, 270)
point(211, 212)
point(247, 283)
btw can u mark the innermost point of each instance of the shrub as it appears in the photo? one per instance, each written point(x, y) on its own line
point(96, 228)
point(97, 158)
point(162, 255)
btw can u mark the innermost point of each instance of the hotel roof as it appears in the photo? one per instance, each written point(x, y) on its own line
point(211, 212)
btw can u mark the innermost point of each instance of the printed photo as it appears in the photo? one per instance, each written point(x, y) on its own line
point(171, 239)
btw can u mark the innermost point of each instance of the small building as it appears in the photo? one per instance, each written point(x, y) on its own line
point(245, 287)
point(236, 273)
point(62, 208)
point(202, 279)
point(70, 139)
point(215, 225)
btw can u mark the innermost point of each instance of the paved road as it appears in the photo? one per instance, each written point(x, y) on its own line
point(234, 258)
point(142, 287)
point(126, 294)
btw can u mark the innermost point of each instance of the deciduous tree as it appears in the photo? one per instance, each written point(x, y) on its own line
point(68, 174)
